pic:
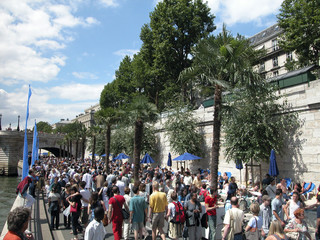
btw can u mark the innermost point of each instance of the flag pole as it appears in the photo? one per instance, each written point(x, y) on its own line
point(25, 167)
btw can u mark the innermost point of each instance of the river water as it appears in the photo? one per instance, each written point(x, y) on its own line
point(8, 194)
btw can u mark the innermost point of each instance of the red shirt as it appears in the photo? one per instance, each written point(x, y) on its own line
point(211, 202)
point(11, 236)
point(116, 213)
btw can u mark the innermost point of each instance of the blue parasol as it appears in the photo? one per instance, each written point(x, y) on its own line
point(273, 168)
point(121, 156)
point(169, 163)
point(239, 166)
point(186, 156)
point(147, 159)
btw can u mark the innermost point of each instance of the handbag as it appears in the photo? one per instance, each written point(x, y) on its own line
point(231, 227)
point(73, 209)
point(253, 233)
point(66, 212)
point(124, 212)
point(105, 220)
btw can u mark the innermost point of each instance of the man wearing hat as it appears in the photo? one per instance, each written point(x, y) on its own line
point(265, 213)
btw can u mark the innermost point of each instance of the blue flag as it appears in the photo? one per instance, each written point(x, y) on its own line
point(25, 167)
point(34, 144)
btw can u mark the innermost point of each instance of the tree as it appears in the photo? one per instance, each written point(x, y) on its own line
point(182, 131)
point(107, 117)
point(221, 62)
point(258, 123)
point(300, 21)
point(175, 27)
point(44, 127)
point(138, 113)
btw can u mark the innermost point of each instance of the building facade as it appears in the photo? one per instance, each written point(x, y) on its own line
point(86, 118)
point(273, 62)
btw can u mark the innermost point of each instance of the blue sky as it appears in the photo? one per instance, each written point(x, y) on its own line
point(67, 50)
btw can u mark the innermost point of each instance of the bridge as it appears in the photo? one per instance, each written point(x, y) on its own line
point(11, 148)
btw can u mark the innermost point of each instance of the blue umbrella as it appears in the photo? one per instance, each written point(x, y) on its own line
point(273, 168)
point(239, 166)
point(121, 156)
point(169, 163)
point(103, 155)
point(186, 156)
point(96, 155)
point(147, 159)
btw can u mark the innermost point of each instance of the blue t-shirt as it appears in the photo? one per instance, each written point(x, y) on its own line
point(137, 206)
point(252, 222)
point(276, 205)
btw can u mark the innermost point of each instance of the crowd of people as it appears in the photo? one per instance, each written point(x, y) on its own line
point(90, 199)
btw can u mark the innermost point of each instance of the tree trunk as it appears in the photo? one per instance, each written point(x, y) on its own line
point(107, 147)
point(64, 150)
point(70, 149)
point(216, 135)
point(77, 149)
point(138, 131)
point(60, 152)
point(94, 151)
point(83, 147)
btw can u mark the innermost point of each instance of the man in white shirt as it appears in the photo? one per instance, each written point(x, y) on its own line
point(271, 189)
point(120, 185)
point(237, 215)
point(84, 202)
point(95, 230)
point(87, 177)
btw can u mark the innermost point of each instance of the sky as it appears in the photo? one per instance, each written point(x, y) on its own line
point(67, 50)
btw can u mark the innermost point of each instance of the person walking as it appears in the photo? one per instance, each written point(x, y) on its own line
point(95, 229)
point(126, 222)
point(237, 215)
point(158, 208)
point(138, 212)
point(277, 208)
point(211, 206)
point(193, 210)
point(75, 209)
point(265, 213)
point(54, 207)
point(115, 213)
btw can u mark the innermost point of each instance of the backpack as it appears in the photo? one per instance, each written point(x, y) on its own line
point(203, 195)
point(180, 216)
point(204, 220)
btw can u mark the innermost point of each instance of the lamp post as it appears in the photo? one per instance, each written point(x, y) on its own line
point(18, 128)
point(0, 121)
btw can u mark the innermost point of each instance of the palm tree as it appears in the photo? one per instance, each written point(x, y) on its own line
point(93, 132)
point(138, 113)
point(107, 117)
point(221, 62)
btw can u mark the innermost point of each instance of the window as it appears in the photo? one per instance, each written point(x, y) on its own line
point(289, 56)
point(275, 44)
point(275, 61)
point(275, 73)
point(262, 67)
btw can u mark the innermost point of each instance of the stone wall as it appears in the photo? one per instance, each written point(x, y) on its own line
point(301, 158)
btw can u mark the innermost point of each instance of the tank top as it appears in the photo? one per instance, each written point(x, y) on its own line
point(292, 207)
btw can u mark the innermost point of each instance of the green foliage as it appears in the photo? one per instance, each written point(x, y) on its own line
point(300, 20)
point(44, 127)
point(122, 141)
point(258, 122)
point(182, 131)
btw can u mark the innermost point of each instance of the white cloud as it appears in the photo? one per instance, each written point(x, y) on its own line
point(84, 75)
point(31, 31)
point(235, 11)
point(125, 52)
point(45, 103)
point(109, 3)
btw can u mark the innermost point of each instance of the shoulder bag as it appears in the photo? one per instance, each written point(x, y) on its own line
point(253, 233)
point(231, 227)
point(125, 214)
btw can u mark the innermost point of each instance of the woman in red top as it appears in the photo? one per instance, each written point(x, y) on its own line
point(211, 205)
point(17, 221)
point(115, 213)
